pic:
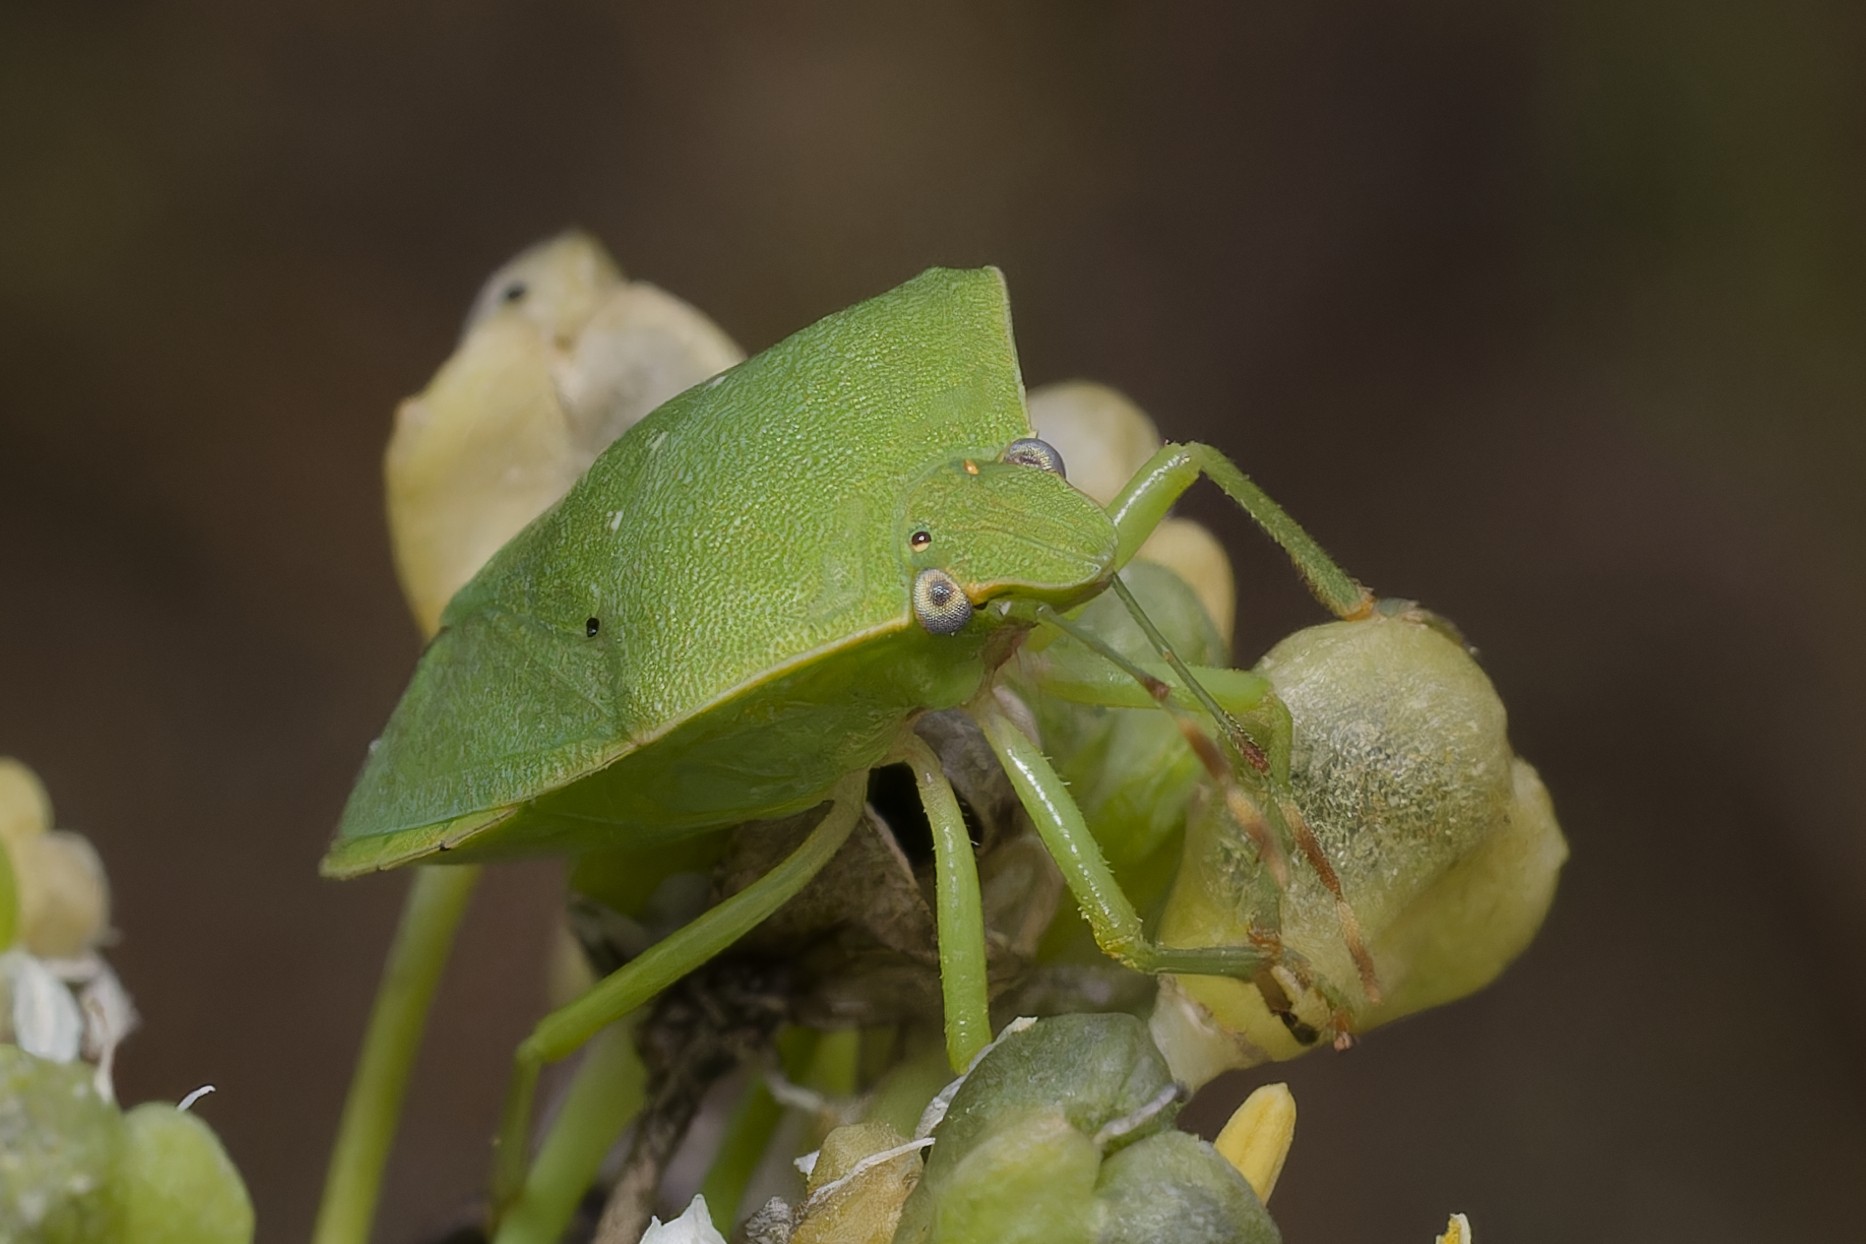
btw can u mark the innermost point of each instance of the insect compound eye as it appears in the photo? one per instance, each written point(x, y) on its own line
point(1030, 451)
point(920, 539)
point(939, 604)
point(591, 626)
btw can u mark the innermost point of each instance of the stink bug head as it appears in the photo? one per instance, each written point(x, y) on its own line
point(1009, 529)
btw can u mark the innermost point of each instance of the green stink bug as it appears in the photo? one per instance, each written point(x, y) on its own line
point(742, 608)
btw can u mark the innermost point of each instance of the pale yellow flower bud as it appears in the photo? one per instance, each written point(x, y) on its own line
point(1257, 1138)
point(560, 356)
point(1101, 434)
point(64, 899)
point(25, 808)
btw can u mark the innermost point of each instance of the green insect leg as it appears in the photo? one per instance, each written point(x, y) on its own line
point(1243, 704)
point(566, 1029)
point(962, 964)
point(1117, 926)
point(1163, 477)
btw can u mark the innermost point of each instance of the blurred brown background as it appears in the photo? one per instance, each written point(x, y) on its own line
point(1552, 315)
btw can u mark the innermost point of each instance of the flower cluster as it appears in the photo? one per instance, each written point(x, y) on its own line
point(75, 1169)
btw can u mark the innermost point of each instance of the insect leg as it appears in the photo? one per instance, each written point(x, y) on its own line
point(1272, 763)
point(1117, 926)
point(1247, 709)
point(1272, 721)
point(962, 969)
point(1163, 477)
point(1170, 697)
point(567, 1028)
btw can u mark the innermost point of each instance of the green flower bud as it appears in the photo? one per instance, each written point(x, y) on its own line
point(53, 895)
point(64, 898)
point(1445, 843)
point(59, 1149)
point(1063, 1132)
point(1208, 1202)
point(174, 1183)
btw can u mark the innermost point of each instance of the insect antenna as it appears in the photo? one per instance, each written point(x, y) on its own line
point(1288, 820)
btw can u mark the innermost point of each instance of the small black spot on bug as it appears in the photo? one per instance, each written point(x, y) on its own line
point(591, 626)
point(513, 292)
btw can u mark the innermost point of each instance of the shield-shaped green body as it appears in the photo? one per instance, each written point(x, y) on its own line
point(716, 623)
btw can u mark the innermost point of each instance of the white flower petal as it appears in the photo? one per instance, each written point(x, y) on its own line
point(693, 1227)
point(109, 1015)
point(46, 1019)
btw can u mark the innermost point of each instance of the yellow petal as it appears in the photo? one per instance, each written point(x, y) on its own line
point(481, 452)
point(1257, 1138)
point(1457, 1231)
point(641, 346)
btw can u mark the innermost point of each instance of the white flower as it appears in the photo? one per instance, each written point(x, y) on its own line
point(45, 1018)
point(693, 1227)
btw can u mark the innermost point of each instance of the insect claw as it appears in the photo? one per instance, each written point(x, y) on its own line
point(1277, 1001)
point(1304, 1033)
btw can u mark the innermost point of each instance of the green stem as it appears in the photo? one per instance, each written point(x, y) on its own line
point(9, 900)
point(604, 1096)
point(834, 1065)
point(436, 901)
point(748, 1135)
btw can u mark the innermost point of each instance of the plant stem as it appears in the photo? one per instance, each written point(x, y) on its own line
point(748, 1135)
point(604, 1096)
point(436, 901)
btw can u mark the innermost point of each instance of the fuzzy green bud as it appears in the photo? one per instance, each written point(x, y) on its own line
point(1445, 843)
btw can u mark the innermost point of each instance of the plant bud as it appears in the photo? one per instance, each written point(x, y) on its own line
point(1101, 434)
point(64, 898)
point(1063, 1131)
point(174, 1183)
point(1445, 843)
point(560, 355)
point(861, 1178)
point(59, 1148)
point(25, 808)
